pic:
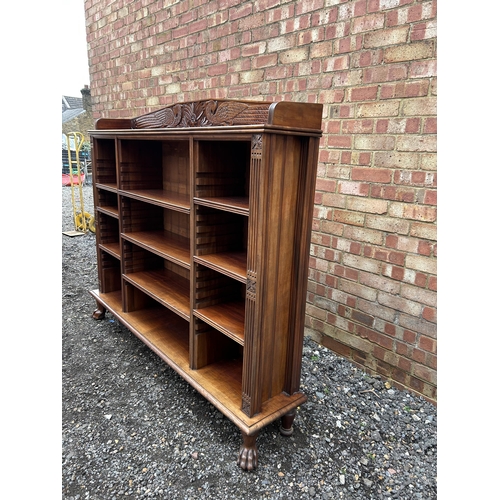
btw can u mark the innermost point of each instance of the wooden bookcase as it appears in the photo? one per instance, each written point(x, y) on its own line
point(203, 222)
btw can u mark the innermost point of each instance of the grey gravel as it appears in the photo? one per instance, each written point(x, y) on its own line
point(133, 428)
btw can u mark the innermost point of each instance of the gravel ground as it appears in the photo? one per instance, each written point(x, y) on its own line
point(133, 428)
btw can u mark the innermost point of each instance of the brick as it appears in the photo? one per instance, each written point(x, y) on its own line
point(264, 61)
point(420, 295)
point(315, 312)
point(353, 341)
point(423, 69)
point(333, 228)
point(340, 141)
point(420, 107)
point(377, 109)
point(377, 310)
point(364, 235)
point(336, 63)
point(424, 30)
point(348, 217)
point(347, 78)
point(384, 255)
point(400, 304)
point(423, 230)
point(383, 341)
point(348, 44)
point(426, 374)
point(294, 55)
point(342, 272)
point(398, 126)
point(374, 142)
point(388, 224)
point(381, 38)
point(380, 283)
point(421, 263)
point(427, 344)
point(357, 126)
point(430, 198)
point(370, 22)
point(402, 243)
point(367, 205)
point(360, 317)
point(361, 263)
point(371, 175)
point(366, 58)
point(429, 314)
point(417, 143)
point(363, 94)
point(394, 159)
point(322, 50)
point(409, 52)
point(421, 213)
point(325, 185)
point(336, 346)
point(280, 43)
point(251, 76)
point(386, 73)
point(355, 289)
point(393, 193)
point(419, 88)
point(430, 126)
point(334, 200)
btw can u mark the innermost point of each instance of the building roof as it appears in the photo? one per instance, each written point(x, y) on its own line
point(71, 107)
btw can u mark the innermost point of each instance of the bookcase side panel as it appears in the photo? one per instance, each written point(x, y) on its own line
point(280, 259)
point(303, 228)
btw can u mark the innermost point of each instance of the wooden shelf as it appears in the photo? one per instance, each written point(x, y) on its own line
point(160, 197)
point(162, 243)
point(228, 318)
point(165, 332)
point(111, 211)
point(234, 204)
point(111, 248)
point(110, 186)
point(232, 264)
point(166, 287)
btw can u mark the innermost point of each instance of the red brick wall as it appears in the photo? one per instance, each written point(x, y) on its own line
point(372, 63)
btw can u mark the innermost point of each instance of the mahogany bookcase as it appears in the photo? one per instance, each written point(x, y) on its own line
point(203, 225)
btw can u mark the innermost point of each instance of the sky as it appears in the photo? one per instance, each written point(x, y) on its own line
point(74, 59)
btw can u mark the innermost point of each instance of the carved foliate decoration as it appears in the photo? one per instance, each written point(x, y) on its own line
point(204, 114)
point(256, 146)
point(251, 285)
point(245, 404)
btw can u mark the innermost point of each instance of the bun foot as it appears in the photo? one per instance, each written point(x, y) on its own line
point(286, 427)
point(247, 458)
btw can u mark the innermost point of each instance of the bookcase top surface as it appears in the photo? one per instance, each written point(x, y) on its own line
point(225, 113)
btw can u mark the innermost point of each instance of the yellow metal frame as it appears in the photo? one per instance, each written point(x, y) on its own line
point(83, 220)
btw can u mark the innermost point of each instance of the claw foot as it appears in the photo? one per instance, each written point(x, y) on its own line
point(247, 458)
point(99, 313)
